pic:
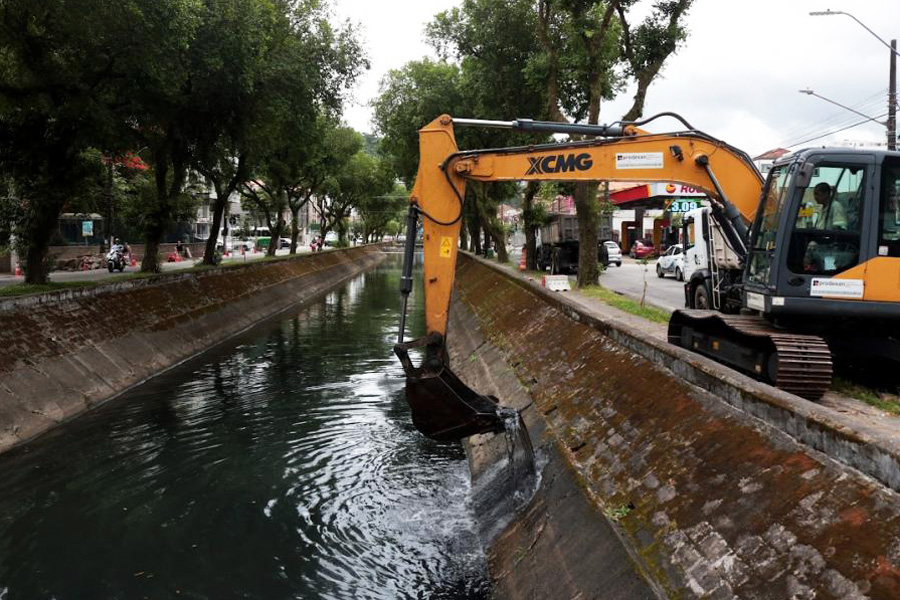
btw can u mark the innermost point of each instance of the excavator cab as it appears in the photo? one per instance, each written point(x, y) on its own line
point(824, 249)
point(810, 230)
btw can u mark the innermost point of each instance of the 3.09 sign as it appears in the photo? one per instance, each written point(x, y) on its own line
point(682, 206)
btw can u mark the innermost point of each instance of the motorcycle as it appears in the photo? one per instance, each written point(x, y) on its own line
point(115, 260)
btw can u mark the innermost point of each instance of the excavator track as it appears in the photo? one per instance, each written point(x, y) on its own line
point(797, 363)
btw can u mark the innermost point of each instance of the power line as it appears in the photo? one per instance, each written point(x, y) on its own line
point(835, 131)
point(835, 119)
point(846, 122)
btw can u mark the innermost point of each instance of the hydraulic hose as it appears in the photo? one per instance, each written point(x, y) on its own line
point(406, 275)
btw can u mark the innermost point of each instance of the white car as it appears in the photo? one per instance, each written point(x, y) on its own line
point(671, 261)
point(232, 245)
point(614, 252)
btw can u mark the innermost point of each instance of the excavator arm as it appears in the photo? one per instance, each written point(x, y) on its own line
point(444, 407)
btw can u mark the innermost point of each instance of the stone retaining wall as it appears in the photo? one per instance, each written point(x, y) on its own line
point(64, 352)
point(667, 475)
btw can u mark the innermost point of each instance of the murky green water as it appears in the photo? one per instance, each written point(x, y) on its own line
point(282, 465)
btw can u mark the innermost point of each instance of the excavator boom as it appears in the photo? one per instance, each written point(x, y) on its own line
point(443, 406)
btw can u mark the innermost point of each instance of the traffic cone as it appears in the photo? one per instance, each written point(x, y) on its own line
point(522, 261)
point(133, 261)
point(18, 272)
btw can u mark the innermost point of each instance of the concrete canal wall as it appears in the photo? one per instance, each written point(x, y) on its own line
point(667, 475)
point(64, 352)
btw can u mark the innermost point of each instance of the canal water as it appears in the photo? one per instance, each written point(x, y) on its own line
point(281, 465)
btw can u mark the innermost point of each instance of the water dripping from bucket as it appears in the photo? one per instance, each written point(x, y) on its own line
point(520, 453)
point(510, 482)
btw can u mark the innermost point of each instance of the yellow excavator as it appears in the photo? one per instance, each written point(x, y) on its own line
point(803, 266)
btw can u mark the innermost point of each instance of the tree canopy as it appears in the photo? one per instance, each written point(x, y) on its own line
point(190, 85)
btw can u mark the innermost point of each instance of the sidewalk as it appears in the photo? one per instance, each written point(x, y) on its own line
point(100, 274)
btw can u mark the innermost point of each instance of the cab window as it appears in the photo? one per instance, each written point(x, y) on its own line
point(688, 233)
point(773, 202)
point(889, 209)
point(825, 239)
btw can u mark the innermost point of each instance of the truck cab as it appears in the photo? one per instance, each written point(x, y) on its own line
point(712, 268)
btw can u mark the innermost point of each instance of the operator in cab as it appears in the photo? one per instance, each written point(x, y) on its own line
point(828, 214)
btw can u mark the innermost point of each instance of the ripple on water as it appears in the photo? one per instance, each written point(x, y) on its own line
point(282, 466)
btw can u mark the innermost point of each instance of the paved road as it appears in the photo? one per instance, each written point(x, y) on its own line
point(629, 280)
point(98, 274)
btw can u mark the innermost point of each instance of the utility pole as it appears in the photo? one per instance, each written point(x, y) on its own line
point(892, 101)
point(891, 122)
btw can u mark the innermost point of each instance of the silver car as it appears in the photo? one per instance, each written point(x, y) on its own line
point(614, 252)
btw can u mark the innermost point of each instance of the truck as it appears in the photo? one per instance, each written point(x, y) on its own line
point(558, 247)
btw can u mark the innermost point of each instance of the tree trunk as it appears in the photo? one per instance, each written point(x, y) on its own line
point(500, 242)
point(464, 234)
point(588, 223)
point(37, 230)
point(530, 226)
point(110, 198)
point(474, 234)
point(275, 239)
point(487, 239)
point(158, 217)
point(295, 228)
point(640, 96)
point(209, 253)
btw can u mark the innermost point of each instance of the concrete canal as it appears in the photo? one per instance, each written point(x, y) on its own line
point(281, 464)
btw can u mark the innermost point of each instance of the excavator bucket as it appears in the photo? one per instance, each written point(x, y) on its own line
point(443, 407)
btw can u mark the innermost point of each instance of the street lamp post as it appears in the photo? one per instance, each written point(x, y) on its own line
point(891, 123)
point(892, 100)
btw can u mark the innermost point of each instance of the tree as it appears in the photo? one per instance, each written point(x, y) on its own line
point(358, 185)
point(328, 151)
point(377, 212)
point(647, 47)
point(63, 66)
point(493, 42)
point(409, 98)
point(496, 43)
point(565, 54)
point(271, 202)
point(250, 71)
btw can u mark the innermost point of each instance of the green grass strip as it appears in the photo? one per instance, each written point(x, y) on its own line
point(624, 303)
point(867, 395)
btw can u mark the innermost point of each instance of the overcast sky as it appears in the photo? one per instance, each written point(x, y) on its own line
point(737, 77)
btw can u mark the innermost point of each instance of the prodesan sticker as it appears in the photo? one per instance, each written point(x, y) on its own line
point(446, 246)
point(837, 288)
point(639, 160)
point(756, 301)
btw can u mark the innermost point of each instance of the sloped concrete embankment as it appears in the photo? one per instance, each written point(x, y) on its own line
point(64, 352)
point(667, 475)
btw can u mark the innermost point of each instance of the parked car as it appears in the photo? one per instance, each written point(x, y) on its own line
point(614, 252)
point(672, 261)
point(284, 243)
point(642, 249)
point(234, 245)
